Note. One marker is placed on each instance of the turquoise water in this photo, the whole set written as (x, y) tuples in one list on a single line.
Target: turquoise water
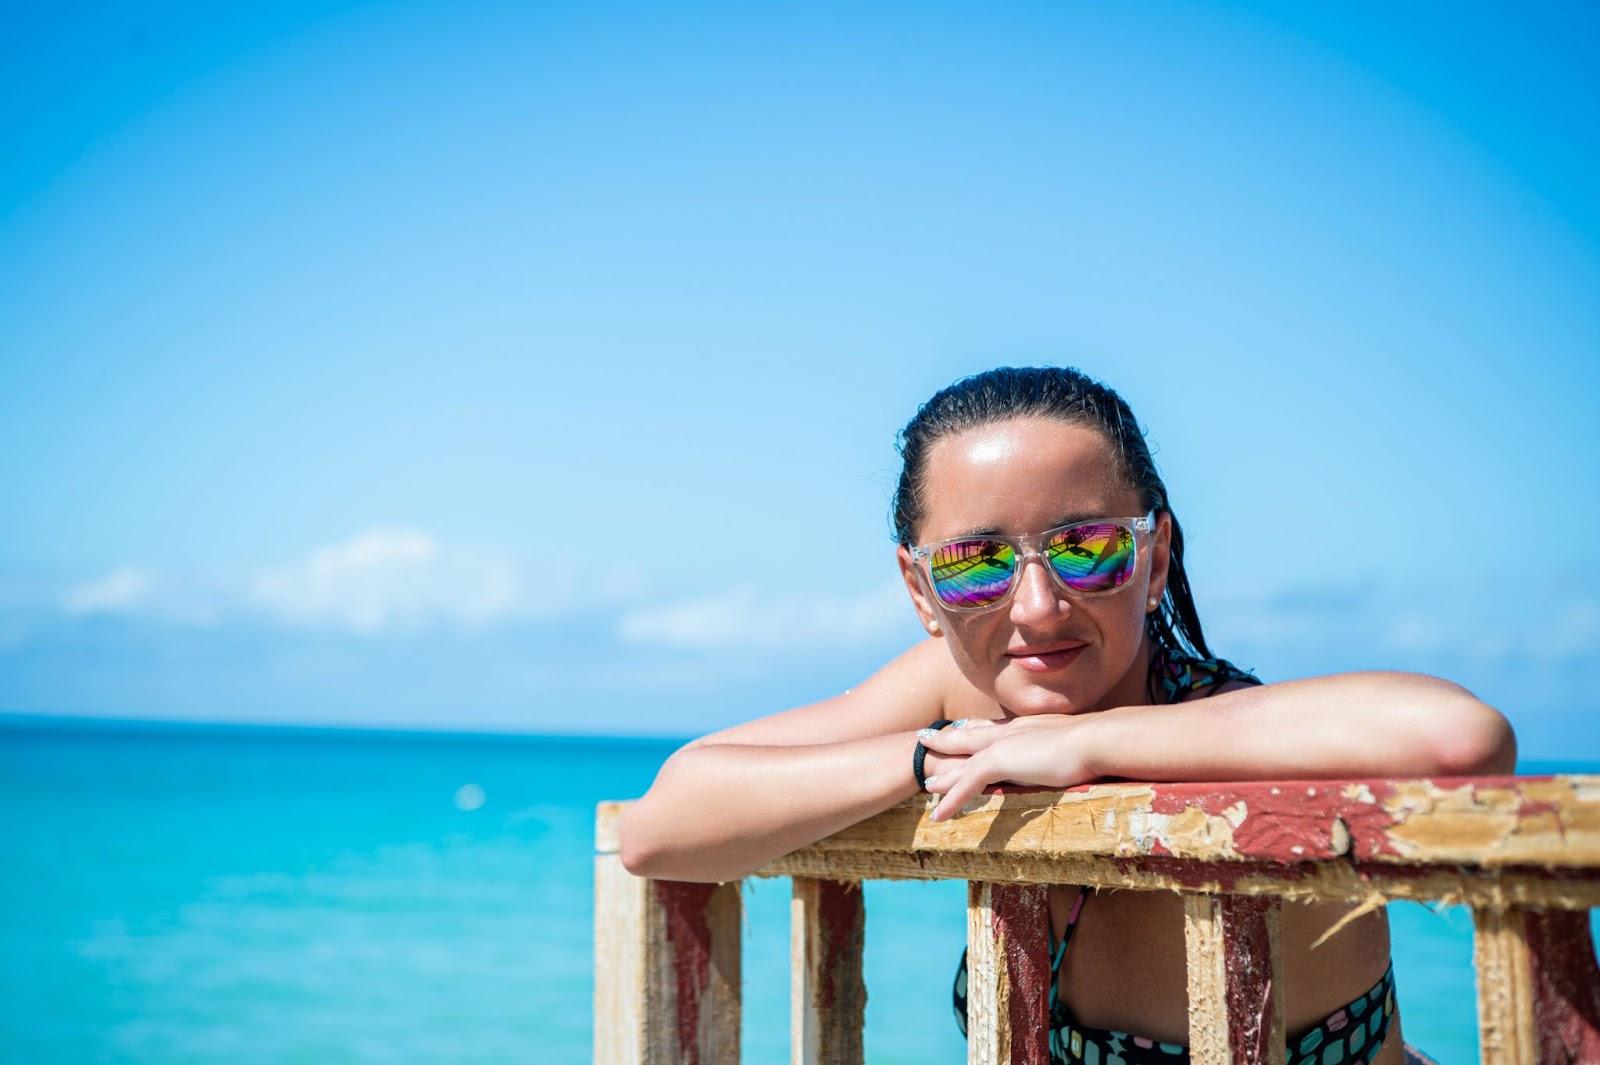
[(244, 895)]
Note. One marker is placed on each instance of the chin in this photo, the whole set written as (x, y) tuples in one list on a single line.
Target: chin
[(1027, 700)]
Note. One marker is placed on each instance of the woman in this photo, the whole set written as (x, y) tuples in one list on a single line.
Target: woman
[(1042, 555)]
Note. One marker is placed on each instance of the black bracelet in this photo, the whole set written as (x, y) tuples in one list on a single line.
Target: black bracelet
[(921, 754)]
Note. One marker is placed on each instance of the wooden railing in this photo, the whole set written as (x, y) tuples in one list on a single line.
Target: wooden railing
[(1523, 852)]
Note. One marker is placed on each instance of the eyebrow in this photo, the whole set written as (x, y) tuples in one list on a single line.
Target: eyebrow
[(1067, 519)]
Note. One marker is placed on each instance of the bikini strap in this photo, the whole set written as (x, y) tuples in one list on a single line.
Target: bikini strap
[(1058, 952)]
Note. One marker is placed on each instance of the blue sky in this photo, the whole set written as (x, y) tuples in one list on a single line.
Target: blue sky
[(503, 366)]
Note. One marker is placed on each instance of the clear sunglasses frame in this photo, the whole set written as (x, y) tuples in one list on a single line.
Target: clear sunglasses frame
[(1031, 546)]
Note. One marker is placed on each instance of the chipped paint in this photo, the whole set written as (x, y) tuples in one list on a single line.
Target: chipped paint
[(1359, 791), (1339, 836), (1566, 985), (1247, 948), (842, 918), (1236, 813), (1020, 916), (688, 935)]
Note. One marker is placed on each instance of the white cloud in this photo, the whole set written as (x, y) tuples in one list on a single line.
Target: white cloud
[(746, 617), (119, 592), (388, 579)]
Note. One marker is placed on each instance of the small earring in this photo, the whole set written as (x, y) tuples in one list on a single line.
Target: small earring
[(933, 627), (1152, 601)]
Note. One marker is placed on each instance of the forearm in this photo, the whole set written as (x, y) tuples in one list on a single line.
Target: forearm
[(1350, 725), (719, 812)]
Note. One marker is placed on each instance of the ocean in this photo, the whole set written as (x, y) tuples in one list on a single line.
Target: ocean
[(243, 894)]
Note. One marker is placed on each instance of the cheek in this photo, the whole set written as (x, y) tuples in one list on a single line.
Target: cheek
[(973, 644), (1124, 624)]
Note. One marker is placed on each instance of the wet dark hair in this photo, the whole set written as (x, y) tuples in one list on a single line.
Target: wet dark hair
[(1067, 395)]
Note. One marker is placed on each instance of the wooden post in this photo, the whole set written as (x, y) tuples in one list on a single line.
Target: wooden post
[(828, 996), (1235, 980), (619, 905), (1566, 985), (1008, 974), (666, 981), (1505, 986)]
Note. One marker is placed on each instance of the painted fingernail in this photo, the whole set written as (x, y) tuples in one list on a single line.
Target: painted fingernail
[(959, 724), (930, 782), (926, 733)]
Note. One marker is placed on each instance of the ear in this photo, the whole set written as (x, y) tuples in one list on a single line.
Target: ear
[(1160, 556), (921, 598)]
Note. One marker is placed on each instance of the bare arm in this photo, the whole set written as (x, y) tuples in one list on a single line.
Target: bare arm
[(719, 812), (1347, 725), (1377, 724), (726, 804)]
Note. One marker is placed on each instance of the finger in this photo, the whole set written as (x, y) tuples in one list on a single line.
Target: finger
[(958, 792), (936, 764), (946, 776), (954, 740)]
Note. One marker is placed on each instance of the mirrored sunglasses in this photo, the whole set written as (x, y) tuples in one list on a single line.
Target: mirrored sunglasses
[(1086, 558)]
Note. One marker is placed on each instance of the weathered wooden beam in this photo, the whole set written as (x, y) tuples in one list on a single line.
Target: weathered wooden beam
[(1487, 822), (1505, 986), (1339, 880), (1479, 822), (1566, 986), (1008, 974), (1235, 980), (666, 970), (828, 996)]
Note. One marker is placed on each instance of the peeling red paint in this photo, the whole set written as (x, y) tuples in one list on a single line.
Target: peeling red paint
[(1566, 985), (1294, 820), (843, 919), (689, 942), (1288, 820), (1021, 914), (1246, 950)]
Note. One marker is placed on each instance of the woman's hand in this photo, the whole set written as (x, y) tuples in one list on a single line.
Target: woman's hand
[(977, 754)]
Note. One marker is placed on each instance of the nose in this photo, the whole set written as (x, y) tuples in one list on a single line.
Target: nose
[(1036, 599)]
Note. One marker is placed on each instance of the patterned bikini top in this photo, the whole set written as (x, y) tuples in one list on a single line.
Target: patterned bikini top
[(1175, 676)]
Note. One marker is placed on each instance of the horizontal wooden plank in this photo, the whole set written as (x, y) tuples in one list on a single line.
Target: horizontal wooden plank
[(1334, 880), (1477, 822)]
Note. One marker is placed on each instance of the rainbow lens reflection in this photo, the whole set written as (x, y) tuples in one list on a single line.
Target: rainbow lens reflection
[(1092, 558), (972, 573)]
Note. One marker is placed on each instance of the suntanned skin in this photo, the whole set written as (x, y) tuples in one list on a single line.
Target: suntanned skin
[(728, 803)]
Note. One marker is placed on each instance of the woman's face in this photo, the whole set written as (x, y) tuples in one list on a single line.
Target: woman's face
[(1024, 476)]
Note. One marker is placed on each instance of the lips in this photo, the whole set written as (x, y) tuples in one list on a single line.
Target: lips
[(1046, 658)]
